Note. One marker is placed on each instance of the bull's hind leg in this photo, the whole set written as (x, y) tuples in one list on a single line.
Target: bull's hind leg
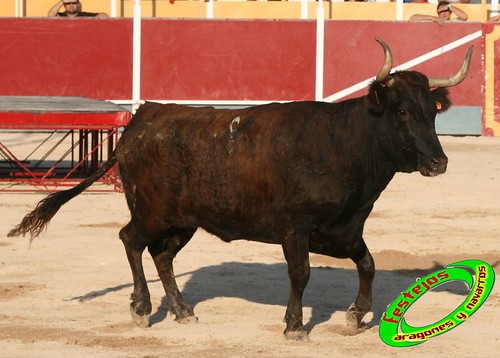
[(362, 304), (140, 307), (163, 252)]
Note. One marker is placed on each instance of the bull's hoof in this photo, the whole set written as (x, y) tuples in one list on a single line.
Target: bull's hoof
[(298, 336), (141, 321), (353, 317), (187, 320)]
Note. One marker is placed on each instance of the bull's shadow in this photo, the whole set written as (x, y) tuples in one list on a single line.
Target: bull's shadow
[(329, 289)]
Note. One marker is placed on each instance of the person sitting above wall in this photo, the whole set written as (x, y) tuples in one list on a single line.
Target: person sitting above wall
[(73, 8), (444, 12), (494, 19), (435, 2)]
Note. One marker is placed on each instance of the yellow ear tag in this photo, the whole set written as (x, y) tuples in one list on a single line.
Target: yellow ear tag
[(438, 105)]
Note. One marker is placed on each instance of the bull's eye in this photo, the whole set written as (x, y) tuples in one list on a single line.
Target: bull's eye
[(402, 113)]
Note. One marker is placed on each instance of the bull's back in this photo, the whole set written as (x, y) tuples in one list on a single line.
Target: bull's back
[(219, 141)]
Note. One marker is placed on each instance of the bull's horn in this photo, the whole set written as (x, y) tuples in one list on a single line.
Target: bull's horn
[(459, 76), (386, 69)]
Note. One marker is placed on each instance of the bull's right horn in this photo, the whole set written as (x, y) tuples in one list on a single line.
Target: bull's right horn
[(386, 69), (457, 78)]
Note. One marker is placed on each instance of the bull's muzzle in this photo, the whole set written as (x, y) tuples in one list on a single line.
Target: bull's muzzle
[(433, 167)]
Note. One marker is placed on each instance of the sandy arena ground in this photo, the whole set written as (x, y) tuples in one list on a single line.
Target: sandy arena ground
[(67, 294)]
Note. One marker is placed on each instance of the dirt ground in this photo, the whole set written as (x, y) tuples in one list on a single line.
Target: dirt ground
[(67, 294)]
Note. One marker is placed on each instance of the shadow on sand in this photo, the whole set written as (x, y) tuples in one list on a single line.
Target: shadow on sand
[(329, 289)]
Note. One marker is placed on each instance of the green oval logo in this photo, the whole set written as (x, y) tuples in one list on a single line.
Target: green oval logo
[(479, 277)]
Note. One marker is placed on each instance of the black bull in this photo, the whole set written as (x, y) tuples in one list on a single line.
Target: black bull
[(304, 175)]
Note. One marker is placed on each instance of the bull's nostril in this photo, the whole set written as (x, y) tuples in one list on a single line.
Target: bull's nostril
[(440, 164), (437, 165)]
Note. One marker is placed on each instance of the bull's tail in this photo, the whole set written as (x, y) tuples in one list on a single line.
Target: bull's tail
[(36, 221)]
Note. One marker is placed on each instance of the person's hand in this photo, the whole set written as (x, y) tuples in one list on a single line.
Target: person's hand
[(438, 20)]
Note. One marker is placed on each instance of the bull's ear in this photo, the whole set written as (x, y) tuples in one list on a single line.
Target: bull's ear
[(376, 100), (441, 97)]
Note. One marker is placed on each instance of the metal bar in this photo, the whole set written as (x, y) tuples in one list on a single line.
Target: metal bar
[(51, 150), (19, 163), (320, 51), (136, 57), (110, 135)]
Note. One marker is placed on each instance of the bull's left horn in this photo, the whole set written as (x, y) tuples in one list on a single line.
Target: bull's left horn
[(386, 69), (457, 78)]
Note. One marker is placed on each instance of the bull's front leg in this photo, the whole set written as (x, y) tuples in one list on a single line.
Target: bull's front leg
[(296, 250), (362, 304)]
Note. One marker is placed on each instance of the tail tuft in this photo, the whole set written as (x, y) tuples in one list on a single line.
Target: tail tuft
[(35, 222)]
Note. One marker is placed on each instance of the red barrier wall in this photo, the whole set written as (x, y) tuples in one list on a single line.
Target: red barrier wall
[(60, 57), (228, 60), (491, 104), (215, 60)]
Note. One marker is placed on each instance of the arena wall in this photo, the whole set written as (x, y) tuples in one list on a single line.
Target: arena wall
[(247, 61)]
